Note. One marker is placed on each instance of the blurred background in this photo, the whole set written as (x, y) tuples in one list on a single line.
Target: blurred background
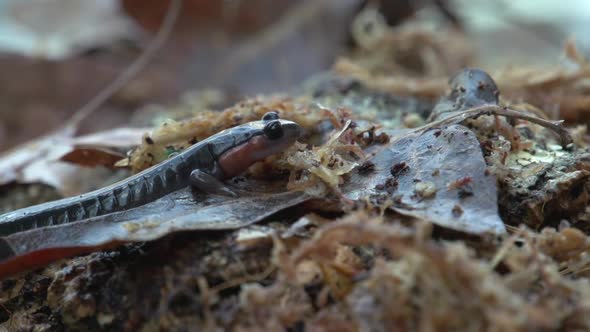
[(55, 55)]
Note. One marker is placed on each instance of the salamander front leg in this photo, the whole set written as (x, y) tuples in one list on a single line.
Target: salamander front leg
[(209, 184)]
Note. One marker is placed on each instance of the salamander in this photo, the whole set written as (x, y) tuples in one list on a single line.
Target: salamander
[(203, 165)]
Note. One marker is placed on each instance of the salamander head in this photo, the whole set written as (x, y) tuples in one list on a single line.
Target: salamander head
[(271, 136), (277, 130)]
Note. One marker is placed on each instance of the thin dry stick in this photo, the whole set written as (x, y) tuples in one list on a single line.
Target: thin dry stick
[(556, 126), (131, 71)]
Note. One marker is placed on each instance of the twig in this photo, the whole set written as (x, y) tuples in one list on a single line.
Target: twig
[(159, 39), (556, 126)]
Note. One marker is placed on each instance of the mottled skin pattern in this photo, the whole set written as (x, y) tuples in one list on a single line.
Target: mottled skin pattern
[(198, 165)]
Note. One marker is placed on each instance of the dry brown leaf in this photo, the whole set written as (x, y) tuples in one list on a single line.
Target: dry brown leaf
[(92, 157), (39, 160)]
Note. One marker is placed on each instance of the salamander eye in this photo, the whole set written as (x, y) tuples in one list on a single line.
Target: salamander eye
[(273, 130), (270, 116)]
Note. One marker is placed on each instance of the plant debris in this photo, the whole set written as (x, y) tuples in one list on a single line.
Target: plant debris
[(425, 194)]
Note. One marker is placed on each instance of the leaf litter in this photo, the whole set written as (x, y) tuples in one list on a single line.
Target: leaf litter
[(382, 265), (45, 150)]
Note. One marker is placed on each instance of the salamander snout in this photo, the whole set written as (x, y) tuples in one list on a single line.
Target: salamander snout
[(276, 129), (285, 130)]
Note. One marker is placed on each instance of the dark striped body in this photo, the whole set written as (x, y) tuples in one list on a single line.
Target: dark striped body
[(139, 189), (25, 242)]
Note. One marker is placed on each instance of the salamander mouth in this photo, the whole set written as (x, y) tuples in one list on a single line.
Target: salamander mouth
[(266, 147)]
